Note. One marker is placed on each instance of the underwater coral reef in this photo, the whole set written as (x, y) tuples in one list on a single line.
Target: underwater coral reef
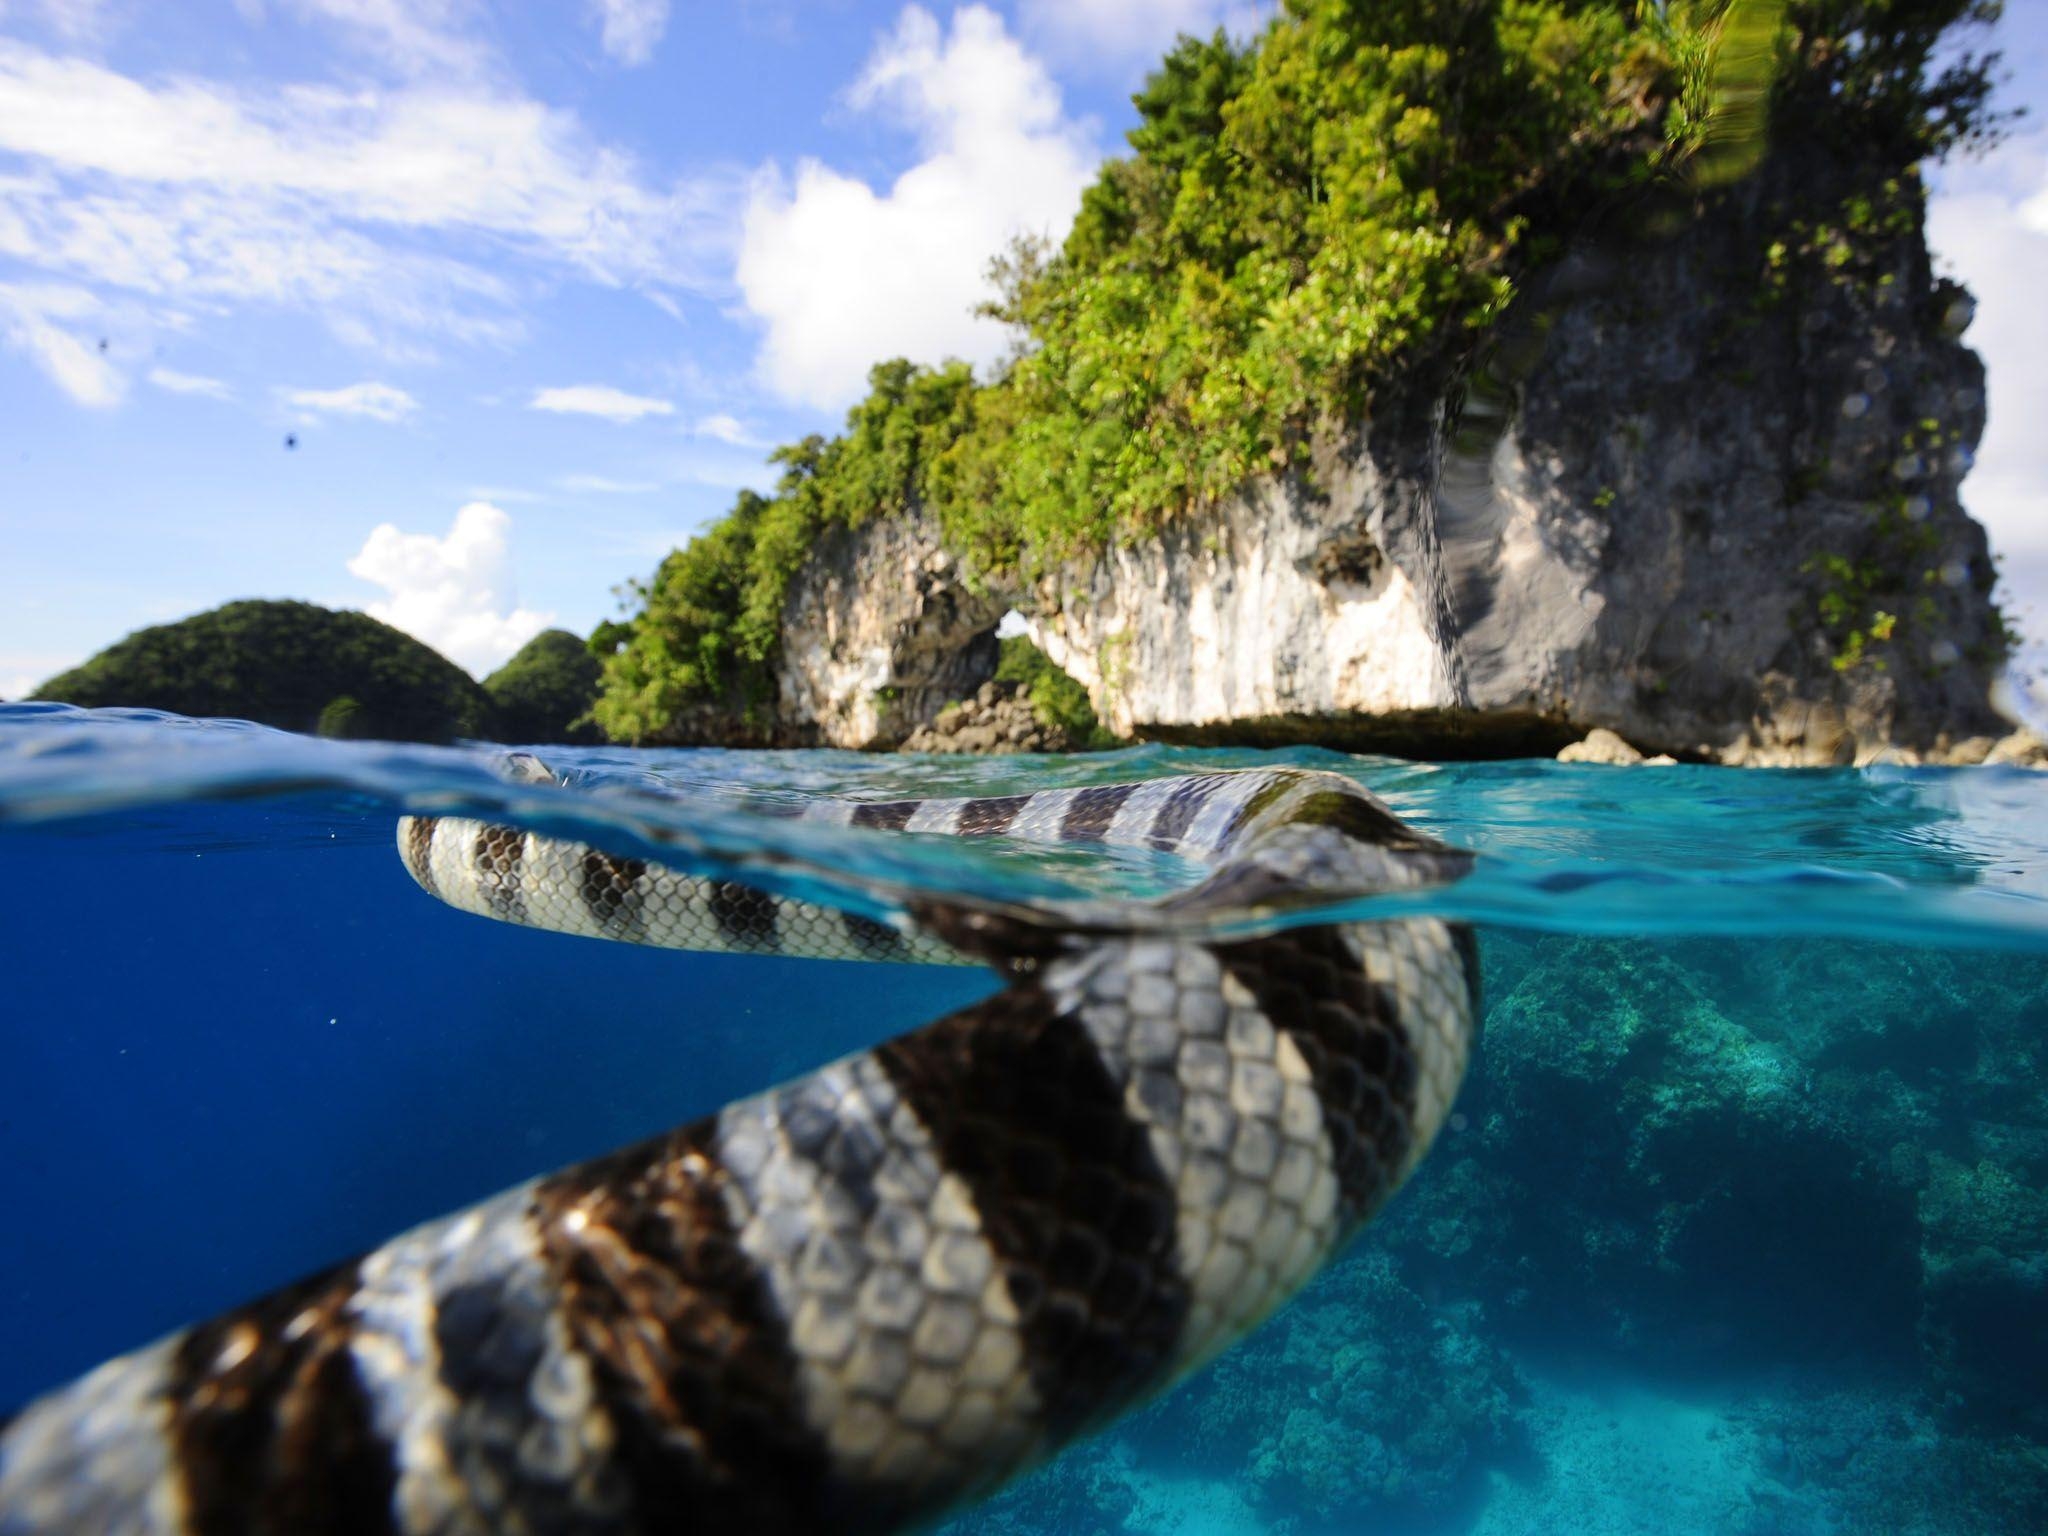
[(1734, 1236)]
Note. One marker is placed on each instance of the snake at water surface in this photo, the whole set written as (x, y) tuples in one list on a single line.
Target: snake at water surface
[(875, 1293)]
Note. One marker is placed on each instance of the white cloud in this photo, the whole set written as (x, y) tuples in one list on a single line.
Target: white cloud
[(378, 402), (193, 245), (1988, 222), (413, 36), (42, 321), (604, 485), (189, 384), (599, 400), (727, 429), (1117, 36), (412, 158), (456, 592), (842, 276), (399, 215), (630, 28), (73, 20)]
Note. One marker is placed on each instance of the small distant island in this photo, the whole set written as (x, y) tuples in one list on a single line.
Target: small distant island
[(301, 667), (546, 691)]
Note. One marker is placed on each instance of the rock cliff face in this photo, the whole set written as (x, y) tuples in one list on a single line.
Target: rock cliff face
[(881, 630), (1703, 493)]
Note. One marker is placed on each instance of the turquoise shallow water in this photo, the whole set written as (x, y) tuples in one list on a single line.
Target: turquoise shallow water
[(1742, 1223)]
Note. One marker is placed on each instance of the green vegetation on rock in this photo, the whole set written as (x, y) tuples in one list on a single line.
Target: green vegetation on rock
[(341, 720), (293, 665), (1056, 698), (1307, 229), (710, 621), (545, 692)]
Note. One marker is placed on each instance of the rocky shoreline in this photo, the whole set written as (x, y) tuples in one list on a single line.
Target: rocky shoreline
[(998, 719), (2020, 749)]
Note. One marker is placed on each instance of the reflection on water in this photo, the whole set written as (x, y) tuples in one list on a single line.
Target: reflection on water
[(1957, 856)]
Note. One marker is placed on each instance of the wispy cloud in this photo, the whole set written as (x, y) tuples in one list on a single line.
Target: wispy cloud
[(410, 36), (454, 592), (378, 402), (599, 400), (727, 429), (44, 322), (75, 21), (630, 29), (177, 383), (409, 158), (604, 485), (400, 215)]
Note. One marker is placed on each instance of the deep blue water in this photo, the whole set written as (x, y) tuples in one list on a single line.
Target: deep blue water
[(1742, 1225)]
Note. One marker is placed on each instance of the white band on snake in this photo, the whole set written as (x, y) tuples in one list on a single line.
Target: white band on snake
[(857, 1300)]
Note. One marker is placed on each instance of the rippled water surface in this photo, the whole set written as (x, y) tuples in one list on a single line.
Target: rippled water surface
[(1742, 1223)]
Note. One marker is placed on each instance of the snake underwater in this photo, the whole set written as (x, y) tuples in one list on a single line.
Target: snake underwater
[(875, 1293)]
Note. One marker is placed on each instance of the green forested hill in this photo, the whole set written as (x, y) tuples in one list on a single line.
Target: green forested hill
[(544, 692), (288, 664), (1345, 204)]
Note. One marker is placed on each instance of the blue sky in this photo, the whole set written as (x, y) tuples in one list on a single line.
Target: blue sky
[(534, 286)]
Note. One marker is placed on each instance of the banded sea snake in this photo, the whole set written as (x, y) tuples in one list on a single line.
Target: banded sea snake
[(855, 1301)]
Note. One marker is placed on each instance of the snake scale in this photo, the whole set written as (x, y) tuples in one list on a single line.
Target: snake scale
[(871, 1294)]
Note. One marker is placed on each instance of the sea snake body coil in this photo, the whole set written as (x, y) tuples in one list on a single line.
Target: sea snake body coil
[(856, 1300)]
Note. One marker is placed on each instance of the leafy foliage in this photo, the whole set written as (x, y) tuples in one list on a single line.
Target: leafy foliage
[(1304, 226), (341, 720), (1889, 76), (545, 692), (1299, 226), (287, 664), (711, 619), (1056, 698)]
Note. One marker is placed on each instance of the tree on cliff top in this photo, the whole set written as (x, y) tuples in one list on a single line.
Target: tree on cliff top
[(710, 621), (544, 693), (289, 664), (1304, 227)]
